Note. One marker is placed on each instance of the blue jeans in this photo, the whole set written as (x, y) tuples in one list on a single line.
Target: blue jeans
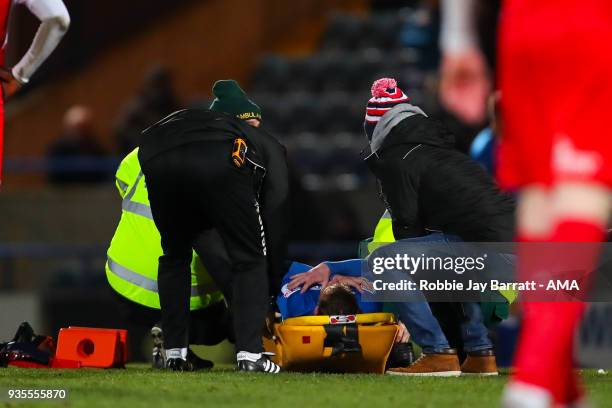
[(423, 326)]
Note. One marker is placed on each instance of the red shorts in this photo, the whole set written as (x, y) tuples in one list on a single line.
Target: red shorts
[(555, 73)]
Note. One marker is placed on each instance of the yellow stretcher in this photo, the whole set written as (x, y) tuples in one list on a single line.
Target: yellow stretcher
[(349, 344)]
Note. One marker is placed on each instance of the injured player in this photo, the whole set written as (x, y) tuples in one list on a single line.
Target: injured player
[(336, 293), (421, 323)]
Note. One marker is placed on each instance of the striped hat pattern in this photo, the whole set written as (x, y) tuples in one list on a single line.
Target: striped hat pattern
[(385, 96)]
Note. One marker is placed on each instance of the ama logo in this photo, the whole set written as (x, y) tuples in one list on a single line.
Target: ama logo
[(563, 285)]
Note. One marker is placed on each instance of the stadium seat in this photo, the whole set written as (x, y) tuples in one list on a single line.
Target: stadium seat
[(380, 30), (348, 344), (337, 72), (304, 110), (306, 73), (272, 74), (343, 32)]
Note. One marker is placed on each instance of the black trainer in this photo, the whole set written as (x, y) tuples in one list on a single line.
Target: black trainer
[(178, 364), (197, 362), (194, 362), (256, 362)]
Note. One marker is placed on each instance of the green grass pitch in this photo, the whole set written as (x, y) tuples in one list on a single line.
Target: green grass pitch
[(139, 386)]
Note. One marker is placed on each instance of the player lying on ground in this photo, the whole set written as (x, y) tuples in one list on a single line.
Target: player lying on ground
[(339, 295), (211, 324), (417, 316)]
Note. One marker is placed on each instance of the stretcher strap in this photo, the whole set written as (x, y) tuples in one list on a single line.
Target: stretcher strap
[(342, 338), (364, 318)]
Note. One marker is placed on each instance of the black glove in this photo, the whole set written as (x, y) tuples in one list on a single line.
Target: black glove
[(402, 355)]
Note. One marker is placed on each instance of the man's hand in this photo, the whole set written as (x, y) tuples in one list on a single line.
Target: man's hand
[(402, 335), (465, 85), (9, 84), (358, 283), (317, 275)]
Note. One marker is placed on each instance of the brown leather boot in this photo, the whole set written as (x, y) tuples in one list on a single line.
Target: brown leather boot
[(480, 363), (441, 364)]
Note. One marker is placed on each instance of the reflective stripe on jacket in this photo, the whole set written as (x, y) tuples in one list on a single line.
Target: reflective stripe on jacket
[(132, 258)]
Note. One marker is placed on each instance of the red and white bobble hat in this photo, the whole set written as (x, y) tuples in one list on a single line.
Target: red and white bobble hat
[(385, 96)]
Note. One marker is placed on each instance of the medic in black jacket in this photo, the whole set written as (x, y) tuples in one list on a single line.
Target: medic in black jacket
[(427, 184), (215, 168)]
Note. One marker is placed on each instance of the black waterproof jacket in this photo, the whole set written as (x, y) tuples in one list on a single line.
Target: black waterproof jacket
[(427, 185)]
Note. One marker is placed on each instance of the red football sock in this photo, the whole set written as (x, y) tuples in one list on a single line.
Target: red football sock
[(574, 230), (528, 361), (545, 352), (545, 356)]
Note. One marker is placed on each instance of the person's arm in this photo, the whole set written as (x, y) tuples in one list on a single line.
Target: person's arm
[(350, 267), (274, 200), (54, 22), (404, 202), (346, 272), (457, 33), (464, 77), (293, 301)]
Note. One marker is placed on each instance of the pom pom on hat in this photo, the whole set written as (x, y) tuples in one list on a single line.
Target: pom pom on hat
[(383, 87)]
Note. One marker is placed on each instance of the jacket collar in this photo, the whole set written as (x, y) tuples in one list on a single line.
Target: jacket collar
[(388, 122)]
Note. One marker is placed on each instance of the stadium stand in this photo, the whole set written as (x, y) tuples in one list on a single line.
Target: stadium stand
[(315, 104)]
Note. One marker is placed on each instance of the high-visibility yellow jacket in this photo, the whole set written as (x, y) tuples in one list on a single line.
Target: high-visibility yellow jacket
[(132, 258), (383, 234)]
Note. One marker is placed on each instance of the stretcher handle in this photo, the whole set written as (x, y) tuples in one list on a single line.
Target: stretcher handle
[(363, 318)]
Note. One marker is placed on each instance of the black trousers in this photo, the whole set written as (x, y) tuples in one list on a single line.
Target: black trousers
[(193, 188), (207, 327)]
